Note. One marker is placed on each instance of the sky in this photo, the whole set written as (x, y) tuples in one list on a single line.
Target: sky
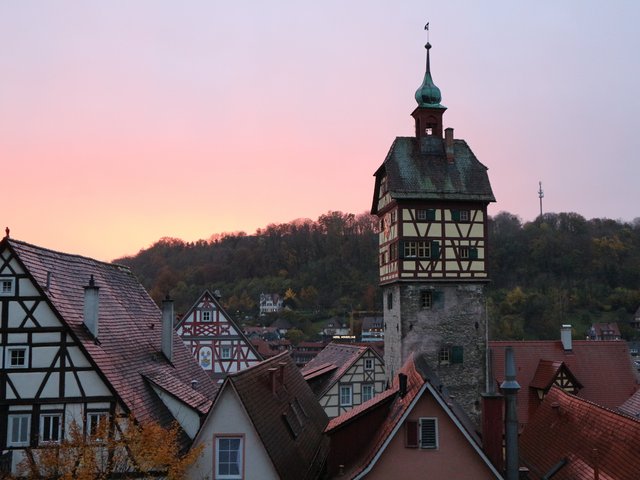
[(123, 122)]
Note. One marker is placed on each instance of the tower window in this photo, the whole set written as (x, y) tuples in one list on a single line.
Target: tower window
[(393, 252), (428, 131), (389, 301), (444, 356), (426, 299)]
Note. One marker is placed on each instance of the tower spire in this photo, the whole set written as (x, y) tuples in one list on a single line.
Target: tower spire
[(428, 94)]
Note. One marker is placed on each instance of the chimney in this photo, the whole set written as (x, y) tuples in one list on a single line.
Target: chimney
[(402, 384), (492, 420), (448, 144), (167, 328), (565, 336), (510, 388), (91, 307)]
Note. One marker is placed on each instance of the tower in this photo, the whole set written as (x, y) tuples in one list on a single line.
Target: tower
[(431, 195)]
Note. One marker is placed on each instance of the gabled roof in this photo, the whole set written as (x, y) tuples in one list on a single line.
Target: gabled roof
[(285, 414), (420, 380), (548, 371), (631, 406), (417, 169), (602, 368), (340, 356), (130, 329), (579, 437), (372, 322)]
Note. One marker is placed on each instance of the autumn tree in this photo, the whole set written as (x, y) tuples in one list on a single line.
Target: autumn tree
[(128, 450)]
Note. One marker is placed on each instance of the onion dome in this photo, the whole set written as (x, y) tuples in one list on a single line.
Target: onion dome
[(428, 95)]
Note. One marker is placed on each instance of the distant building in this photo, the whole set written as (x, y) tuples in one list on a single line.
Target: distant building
[(343, 376), (335, 326), (372, 329), (270, 303), (215, 340), (304, 352), (604, 331)]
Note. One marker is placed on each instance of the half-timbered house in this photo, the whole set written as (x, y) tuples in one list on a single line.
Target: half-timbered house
[(344, 376), (214, 338), (81, 341)]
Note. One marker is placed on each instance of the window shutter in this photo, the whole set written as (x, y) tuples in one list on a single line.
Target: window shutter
[(411, 434), (473, 253), (435, 249), (438, 299), (431, 214), (455, 215), (428, 433), (457, 354)]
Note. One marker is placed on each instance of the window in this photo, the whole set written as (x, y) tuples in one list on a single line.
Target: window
[(450, 355), (6, 286), (464, 215), (229, 457), (383, 258), (424, 249), (394, 217), (368, 363), (426, 299), (426, 215), (50, 427), (368, 391), (206, 315), (389, 301), (428, 432), (393, 252), (18, 430), (464, 252), (410, 249), (460, 215), (17, 357), (97, 425), (225, 352), (346, 395), (444, 356)]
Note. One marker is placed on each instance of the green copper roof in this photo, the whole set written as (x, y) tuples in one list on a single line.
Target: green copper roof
[(428, 95), (418, 169)]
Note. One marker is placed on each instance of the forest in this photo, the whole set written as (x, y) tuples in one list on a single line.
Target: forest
[(557, 269)]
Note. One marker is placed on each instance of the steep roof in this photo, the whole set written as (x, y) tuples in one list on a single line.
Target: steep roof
[(285, 414), (603, 369), (128, 350), (631, 406), (417, 169), (333, 361), (580, 438), (420, 379)]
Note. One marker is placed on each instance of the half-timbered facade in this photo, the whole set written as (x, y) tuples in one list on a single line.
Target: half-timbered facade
[(81, 341), (214, 339), (344, 376), (431, 196)]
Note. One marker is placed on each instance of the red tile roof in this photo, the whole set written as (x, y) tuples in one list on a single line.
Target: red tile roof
[(340, 355), (585, 436), (420, 378), (603, 369), (130, 330), (631, 406), (295, 457)]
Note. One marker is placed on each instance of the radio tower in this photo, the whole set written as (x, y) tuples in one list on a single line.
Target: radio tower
[(540, 195)]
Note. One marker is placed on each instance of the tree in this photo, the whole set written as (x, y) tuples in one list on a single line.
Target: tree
[(126, 450)]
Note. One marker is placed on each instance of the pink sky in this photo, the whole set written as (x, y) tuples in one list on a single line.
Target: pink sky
[(123, 122)]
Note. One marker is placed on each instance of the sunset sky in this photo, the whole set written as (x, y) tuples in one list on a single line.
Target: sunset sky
[(122, 122)]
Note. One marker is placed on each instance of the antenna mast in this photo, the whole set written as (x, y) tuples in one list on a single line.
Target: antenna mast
[(540, 195)]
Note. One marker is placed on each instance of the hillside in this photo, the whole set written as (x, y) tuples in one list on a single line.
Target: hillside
[(558, 269)]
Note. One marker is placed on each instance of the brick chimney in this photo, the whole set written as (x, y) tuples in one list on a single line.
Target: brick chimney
[(448, 144), (91, 304)]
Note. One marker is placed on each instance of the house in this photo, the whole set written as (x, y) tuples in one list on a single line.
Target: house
[(282, 326), (335, 327), (372, 329), (306, 351), (343, 376), (570, 438), (270, 303), (600, 372), (81, 341), (269, 334), (604, 331), (265, 423), (412, 430), (214, 339)]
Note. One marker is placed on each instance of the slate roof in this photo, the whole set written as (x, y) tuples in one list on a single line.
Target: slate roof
[(417, 169), (603, 369), (294, 457), (582, 437), (129, 336), (342, 356), (420, 378)]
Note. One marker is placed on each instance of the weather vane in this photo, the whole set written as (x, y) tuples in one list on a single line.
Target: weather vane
[(426, 27)]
